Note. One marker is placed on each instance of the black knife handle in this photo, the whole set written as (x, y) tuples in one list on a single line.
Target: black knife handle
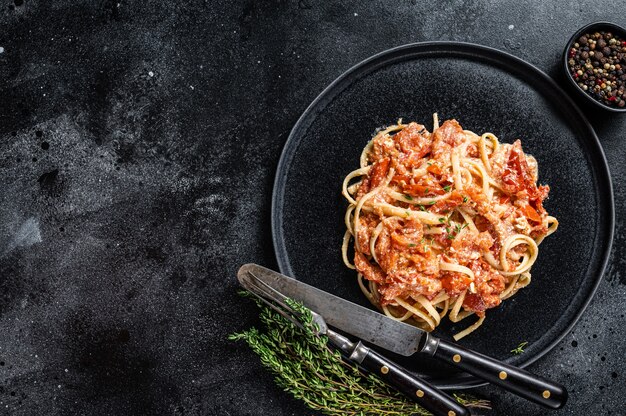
[(529, 386), (425, 394)]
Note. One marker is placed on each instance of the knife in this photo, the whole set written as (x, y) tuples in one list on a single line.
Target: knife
[(404, 339), (418, 390)]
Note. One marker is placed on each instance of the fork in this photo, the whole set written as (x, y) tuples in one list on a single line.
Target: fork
[(422, 392)]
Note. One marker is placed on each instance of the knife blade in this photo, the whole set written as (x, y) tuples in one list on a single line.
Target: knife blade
[(391, 335), (404, 339)]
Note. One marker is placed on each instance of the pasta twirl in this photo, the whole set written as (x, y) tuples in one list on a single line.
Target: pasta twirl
[(443, 223)]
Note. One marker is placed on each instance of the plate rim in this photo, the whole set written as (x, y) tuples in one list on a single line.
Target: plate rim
[(459, 48)]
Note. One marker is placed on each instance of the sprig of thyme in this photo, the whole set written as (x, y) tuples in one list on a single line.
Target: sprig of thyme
[(305, 366), (520, 348)]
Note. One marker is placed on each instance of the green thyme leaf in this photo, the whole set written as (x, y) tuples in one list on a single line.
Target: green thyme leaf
[(520, 348)]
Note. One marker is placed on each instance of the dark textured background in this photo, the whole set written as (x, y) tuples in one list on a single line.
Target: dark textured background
[(138, 143)]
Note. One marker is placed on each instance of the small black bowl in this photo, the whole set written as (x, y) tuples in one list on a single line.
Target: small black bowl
[(592, 28)]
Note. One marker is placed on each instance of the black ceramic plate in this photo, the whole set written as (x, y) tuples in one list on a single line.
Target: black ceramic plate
[(486, 91)]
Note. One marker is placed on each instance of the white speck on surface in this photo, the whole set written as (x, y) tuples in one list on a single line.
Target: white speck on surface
[(511, 27), (151, 73), (1, 49), (258, 62), (191, 86), (66, 370), (356, 14)]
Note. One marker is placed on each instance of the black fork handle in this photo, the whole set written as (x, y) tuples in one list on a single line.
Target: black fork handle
[(422, 392)]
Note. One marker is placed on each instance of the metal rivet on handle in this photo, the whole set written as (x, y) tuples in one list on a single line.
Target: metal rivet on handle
[(456, 358), (503, 375), (419, 393), (451, 413), (546, 394), (384, 369)]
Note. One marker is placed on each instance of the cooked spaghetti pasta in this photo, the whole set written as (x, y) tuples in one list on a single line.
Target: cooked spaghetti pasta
[(443, 223)]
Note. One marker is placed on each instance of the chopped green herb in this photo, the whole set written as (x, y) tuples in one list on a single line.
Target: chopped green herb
[(429, 163), (448, 230), (447, 188), (422, 208), (408, 213), (520, 348), (426, 190), (464, 199), (451, 236), (409, 197), (411, 245), (442, 220), (432, 202)]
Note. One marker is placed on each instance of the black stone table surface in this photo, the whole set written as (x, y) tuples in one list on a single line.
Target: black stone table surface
[(138, 145)]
